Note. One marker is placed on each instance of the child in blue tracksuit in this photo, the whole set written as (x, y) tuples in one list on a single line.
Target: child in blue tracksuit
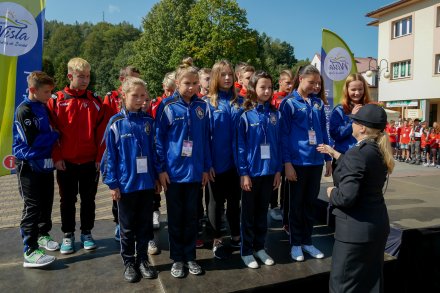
[(184, 158), (259, 158), (129, 170), (33, 142), (303, 128), (226, 183)]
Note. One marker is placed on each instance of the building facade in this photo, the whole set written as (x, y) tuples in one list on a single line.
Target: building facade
[(409, 49)]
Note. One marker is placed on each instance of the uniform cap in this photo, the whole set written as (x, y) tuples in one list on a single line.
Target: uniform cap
[(372, 116)]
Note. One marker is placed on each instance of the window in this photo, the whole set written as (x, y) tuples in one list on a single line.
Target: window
[(401, 69), (438, 16), (437, 64), (402, 27)]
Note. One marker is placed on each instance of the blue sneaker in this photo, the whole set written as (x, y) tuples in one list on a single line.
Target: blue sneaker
[(296, 253), (88, 242), (117, 233), (313, 251), (67, 246)]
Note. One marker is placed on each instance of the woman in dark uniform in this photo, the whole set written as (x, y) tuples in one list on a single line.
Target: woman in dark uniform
[(362, 224)]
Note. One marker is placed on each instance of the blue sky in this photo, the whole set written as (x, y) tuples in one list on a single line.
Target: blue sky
[(297, 22)]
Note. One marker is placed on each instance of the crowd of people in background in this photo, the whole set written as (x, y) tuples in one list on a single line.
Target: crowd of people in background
[(219, 141)]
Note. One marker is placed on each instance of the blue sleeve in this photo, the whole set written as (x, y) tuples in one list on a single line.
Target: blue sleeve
[(286, 128), (109, 162), (243, 166), (280, 149), (207, 164), (338, 129), (30, 132), (162, 127), (154, 156), (324, 130)]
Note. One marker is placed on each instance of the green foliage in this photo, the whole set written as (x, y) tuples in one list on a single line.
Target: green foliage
[(206, 30)]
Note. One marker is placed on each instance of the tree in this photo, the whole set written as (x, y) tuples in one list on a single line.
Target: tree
[(163, 29), (218, 29)]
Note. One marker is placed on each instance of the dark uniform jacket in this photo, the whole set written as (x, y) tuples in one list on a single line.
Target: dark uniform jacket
[(361, 214)]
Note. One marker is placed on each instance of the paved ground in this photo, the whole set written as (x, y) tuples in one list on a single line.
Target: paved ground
[(413, 199)]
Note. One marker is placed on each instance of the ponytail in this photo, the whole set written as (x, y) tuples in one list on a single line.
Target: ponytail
[(383, 141)]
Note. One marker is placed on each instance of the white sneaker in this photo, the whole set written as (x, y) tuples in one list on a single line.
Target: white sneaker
[(156, 223), (152, 248), (432, 165), (250, 261), (425, 164), (296, 253), (313, 251), (264, 257), (275, 215)]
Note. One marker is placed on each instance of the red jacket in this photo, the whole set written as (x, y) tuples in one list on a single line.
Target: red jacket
[(79, 117), (112, 103), (404, 134), (154, 105), (242, 92), (392, 133), (277, 98)]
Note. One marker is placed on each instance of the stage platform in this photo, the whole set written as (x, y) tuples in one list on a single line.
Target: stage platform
[(413, 199)]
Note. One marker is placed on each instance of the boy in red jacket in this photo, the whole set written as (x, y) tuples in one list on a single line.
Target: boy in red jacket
[(286, 82), (78, 115)]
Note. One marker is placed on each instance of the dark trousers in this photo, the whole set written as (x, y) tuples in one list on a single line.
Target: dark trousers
[(182, 220), (37, 191), (82, 178), (303, 194), (225, 188), (254, 206), (357, 267), (156, 206), (156, 201), (136, 224)]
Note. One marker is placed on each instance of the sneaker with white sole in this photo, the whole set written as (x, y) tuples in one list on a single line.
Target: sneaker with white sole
[(48, 243), (37, 259), (432, 165), (313, 251), (156, 222), (68, 244), (194, 268), (275, 215), (177, 270), (250, 261), (264, 257), (88, 242), (152, 248), (296, 253)]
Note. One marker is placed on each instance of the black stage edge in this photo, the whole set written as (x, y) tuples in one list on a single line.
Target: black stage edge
[(231, 275)]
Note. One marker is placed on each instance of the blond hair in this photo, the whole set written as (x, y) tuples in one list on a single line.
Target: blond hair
[(286, 73), (382, 140), (130, 82), (169, 80), (186, 68), (77, 65), (215, 81)]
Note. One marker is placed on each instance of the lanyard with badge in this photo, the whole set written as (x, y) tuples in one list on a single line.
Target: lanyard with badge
[(187, 146), (311, 132), (141, 161), (264, 147)]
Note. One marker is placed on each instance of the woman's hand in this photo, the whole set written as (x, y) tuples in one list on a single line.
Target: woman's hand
[(116, 194), (205, 178), (276, 180), (326, 149), (356, 108), (164, 180), (290, 172), (329, 190), (246, 183)]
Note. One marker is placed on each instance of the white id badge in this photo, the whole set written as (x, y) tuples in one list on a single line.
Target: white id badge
[(141, 165), (187, 148), (265, 151), (312, 137)]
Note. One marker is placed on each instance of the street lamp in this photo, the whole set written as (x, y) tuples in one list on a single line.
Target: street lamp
[(379, 69)]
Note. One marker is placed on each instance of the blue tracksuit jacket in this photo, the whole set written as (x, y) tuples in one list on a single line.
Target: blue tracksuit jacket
[(298, 118), (34, 137), (256, 127), (129, 135), (341, 130), (177, 122)]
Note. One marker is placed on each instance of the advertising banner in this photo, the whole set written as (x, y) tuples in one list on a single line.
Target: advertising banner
[(21, 48)]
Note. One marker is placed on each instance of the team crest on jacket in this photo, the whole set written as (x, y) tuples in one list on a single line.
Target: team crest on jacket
[(317, 106), (147, 128), (85, 104), (200, 113), (273, 119)]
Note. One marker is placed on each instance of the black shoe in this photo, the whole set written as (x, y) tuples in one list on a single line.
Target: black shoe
[(220, 251), (235, 243), (131, 274), (194, 268), (147, 271)]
